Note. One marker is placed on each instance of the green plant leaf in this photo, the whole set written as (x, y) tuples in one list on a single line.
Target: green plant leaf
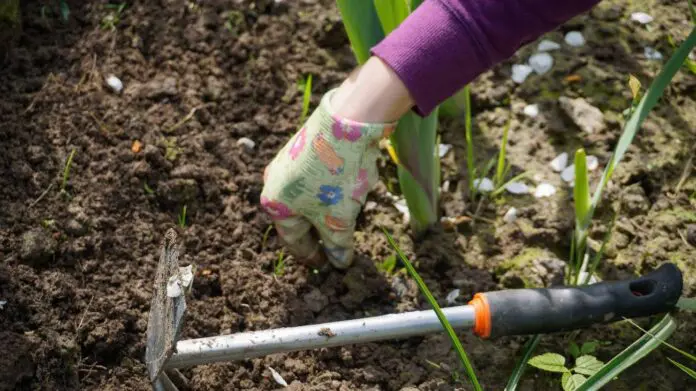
[(441, 317), (64, 10), (362, 26), (500, 169), (306, 97), (388, 264), (587, 365), (551, 362), (572, 382), (589, 347), (391, 13), (517, 373), (687, 304), (574, 349), (581, 191), (684, 368), (631, 355), (692, 9)]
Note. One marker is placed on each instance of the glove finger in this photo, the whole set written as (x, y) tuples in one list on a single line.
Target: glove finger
[(337, 241), (297, 236)]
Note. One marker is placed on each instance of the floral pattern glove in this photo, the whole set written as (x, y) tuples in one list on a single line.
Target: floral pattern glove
[(320, 180)]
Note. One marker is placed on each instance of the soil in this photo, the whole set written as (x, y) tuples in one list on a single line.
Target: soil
[(79, 255)]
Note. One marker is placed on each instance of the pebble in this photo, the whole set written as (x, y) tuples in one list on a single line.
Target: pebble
[(401, 206), (559, 162), (517, 188), (691, 234), (75, 228), (511, 215), (641, 17), (544, 190), (547, 45), (587, 117), (568, 175), (484, 185), (247, 143), (651, 53), (114, 83), (531, 110), (592, 162), (520, 72), (442, 149), (541, 62), (452, 296), (574, 38)]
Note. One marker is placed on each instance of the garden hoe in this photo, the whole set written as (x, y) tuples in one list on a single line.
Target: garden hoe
[(490, 314)]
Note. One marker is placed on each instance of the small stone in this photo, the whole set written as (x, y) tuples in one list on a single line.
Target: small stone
[(278, 379), (544, 190), (38, 247), (547, 45), (370, 205), (247, 143), (641, 17), (531, 110), (452, 296), (691, 234), (75, 228), (517, 188), (511, 215), (559, 162), (520, 72), (541, 62), (592, 162), (443, 149), (114, 83), (483, 185), (401, 206), (574, 38), (587, 117), (568, 175), (651, 53)]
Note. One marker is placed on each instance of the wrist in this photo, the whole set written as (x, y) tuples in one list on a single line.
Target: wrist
[(372, 93)]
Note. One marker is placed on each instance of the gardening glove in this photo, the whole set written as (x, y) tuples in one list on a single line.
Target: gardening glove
[(320, 180)]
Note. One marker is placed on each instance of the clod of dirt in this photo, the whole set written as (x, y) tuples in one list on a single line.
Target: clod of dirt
[(363, 281), (691, 234), (160, 87), (177, 192), (16, 365), (213, 89), (634, 201), (315, 300), (75, 228), (38, 247), (533, 268), (587, 117)]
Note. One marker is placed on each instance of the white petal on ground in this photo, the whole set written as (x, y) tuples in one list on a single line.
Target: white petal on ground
[(592, 162), (246, 143), (559, 162), (3, 303), (517, 188), (445, 187), (520, 72), (452, 296), (541, 62), (547, 45), (652, 54), (442, 149), (278, 379), (114, 83), (641, 17), (544, 190), (574, 38), (178, 283), (401, 206), (369, 205), (483, 185), (531, 110), (510, 215), (568, 175)]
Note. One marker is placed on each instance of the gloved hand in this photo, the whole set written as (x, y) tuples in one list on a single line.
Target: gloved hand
[(320, 180)]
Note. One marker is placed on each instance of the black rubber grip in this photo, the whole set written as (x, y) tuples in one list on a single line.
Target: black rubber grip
[(540, 311)]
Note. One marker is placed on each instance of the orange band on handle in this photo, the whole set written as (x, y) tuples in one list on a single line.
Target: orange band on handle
[(482, 315)]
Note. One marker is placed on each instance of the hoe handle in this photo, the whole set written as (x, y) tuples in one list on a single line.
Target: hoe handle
[(549, 310)]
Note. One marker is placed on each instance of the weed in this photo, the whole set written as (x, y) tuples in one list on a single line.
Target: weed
[(572, 378), (66, 171), (279, 264), (234, 22), (388, 265), (171, 149), (148, 189), (112, 19), (265, 236), (181, 219), (306, 87)]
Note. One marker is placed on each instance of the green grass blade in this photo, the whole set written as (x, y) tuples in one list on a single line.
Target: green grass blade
[(306, 97), (500, 169), (684, 368), (516, 178), (647, 103), (66, 170), (362, 26), (692, 9), (634, 353), (581, 192), (469, 140), (598, 256), (521, 365), (391, 13), (669, 345), (443, 320)]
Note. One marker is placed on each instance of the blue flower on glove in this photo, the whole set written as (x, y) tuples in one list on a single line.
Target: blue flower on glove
[(330, 195)]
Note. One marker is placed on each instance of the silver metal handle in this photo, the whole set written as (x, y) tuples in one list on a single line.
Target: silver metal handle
[(261, 343)]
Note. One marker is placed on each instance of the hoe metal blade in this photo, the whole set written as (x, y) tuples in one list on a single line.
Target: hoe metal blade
[(166, 311)]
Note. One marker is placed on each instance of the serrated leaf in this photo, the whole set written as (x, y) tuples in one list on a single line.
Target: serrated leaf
[(572, 382), (551, 362), (589, 347), (687, 303), (574, 349), (587, 365), (634, 85)]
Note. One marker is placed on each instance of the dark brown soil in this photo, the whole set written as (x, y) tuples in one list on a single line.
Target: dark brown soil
[(78, 264)]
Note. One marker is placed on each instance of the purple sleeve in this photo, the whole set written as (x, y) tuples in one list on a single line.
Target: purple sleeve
[(445, 44)]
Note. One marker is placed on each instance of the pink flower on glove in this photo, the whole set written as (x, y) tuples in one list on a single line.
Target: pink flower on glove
[(343, 130), (299, 144), (277, 210), (361, 185)]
